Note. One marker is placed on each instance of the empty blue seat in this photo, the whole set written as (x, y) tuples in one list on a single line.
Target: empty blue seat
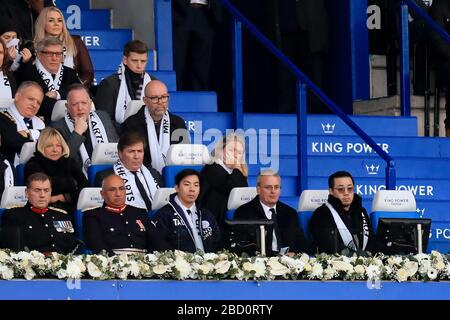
[(238, 197), (26, 153), (103, 157), (309, 201), (89, 198)]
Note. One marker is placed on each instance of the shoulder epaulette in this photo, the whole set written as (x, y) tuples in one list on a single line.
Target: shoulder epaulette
[(9, 116), (91, 208), (58, 209), (14, 206)]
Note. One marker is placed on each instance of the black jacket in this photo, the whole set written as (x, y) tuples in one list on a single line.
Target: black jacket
[(289, 229), (105, 230), (325, 233), (180, 11), (65, 176), (138, 124), (216, 187), (176, 231), (28, 72), (49, 232)]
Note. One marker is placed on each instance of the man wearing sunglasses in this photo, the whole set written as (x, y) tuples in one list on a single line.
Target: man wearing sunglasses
[(341, 225)]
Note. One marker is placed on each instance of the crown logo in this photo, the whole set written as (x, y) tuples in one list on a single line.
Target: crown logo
[(421, 212), (372, 169), (328, 128)]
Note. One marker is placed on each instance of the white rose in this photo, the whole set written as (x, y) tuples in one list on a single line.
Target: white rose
[(437, 255), (151, 257), (183, 267), (329, 272), (342, 266), (359, 269), (402, 275), (73, 269), (260, 268), (432, 274), (134, 268), (24, 264), (247, 266), (206, 268), (411, 268), (29, 274), (307, 267), (179, 254), (222, 267), (3, 256), (223, 256), (93, 270), (372, 271), (440, 265), (316, 271), (159, 269), (7, 273), (276, 268), (421, 256), (304, 258), (210, 256), (425, 265)]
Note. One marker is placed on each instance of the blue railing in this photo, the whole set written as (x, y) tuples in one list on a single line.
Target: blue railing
[(405, 91), (303, 83)]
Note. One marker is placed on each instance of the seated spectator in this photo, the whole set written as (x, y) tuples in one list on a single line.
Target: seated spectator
[(17, 50), (227, 171), (115, 91), (119, 228), (183, 225), (285, 236), (49, 72), (50, 22), (25, 11), (159, 127), (7, 82), (52, 158), (83, 128), (7, 173), (141, 182), (36, 226), (19, 123), (341, 225)]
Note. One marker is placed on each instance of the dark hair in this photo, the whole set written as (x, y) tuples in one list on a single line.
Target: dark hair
[(187, 172), (134, 46), (338, 174), (128, 139), (38, 176)]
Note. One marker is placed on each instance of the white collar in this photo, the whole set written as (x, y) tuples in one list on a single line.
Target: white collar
[(267, 211), (220, 162)]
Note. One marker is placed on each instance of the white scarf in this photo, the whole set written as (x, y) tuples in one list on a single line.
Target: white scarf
[(8, 175), (68, 59), (123, 97), (345, 234), (134, 197), (5, 87), (97, 132), (38, 125), (52, 84), (158, 149)]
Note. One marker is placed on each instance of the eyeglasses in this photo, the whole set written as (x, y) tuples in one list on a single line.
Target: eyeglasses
[(50, 54), (156, 99), (343, 189)]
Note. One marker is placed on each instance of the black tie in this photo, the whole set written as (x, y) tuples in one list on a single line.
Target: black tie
[(142, 191), (275, 227), (28, 122)]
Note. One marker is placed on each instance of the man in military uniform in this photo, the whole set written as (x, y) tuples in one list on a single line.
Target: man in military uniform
[(19, 123), (119, 228), (36, 226)]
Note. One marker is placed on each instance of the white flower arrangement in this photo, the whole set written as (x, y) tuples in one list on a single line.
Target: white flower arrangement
[(224, 265)]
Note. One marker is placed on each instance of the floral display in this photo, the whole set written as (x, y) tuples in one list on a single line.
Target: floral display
[(178, 265)]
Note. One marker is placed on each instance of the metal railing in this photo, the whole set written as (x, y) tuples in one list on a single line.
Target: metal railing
[(303, 83)]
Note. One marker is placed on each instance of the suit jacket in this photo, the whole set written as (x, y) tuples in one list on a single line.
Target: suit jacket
[(28, 72), (74, 140), (324, 230), (289, 229), (138, 124), (180, 10)]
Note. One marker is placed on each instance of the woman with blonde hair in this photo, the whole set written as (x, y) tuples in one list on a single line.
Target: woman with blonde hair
[(50, 22), (226, 171), (52, 158)]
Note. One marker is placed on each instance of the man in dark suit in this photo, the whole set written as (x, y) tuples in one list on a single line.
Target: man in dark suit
[(159, 127), (36, 226), (194, 24), (285, 235), (83, 128), (49, 72)]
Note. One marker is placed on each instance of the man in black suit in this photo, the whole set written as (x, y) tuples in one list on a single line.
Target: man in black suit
[(285, 235), (159, 127), (49, 72), (194, 24)]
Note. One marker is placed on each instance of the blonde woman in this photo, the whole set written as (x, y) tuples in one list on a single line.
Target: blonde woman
[(52, 158), (50, 22), (227, 171)]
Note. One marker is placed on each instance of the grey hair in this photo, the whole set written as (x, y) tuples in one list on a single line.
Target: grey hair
[(48, 41), (266, 172)]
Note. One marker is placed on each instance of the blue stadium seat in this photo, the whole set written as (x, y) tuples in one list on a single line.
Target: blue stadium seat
[(309, 201), (160, 199), (103, 157), (183, 156), (26, 153), (11, 197), (89, 198), (238, 197)]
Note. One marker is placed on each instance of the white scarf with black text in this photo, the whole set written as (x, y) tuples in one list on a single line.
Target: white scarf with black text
[(97, 133), (123, 98), (8, 175), (5, 87), (158, 149), (52, 84)]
